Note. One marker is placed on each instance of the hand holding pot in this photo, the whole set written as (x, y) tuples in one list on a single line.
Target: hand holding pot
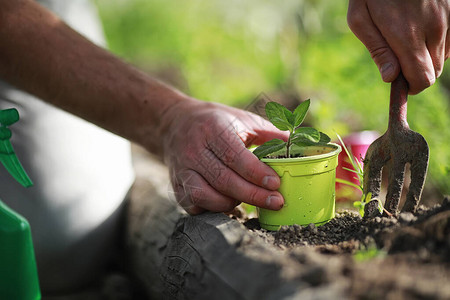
[(210, 167), (407, 35)]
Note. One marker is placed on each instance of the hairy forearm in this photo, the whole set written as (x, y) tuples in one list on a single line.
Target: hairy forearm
[(203, 144), (45, 57)]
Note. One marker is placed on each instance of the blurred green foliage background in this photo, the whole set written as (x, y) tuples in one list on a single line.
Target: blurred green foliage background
[(231, 51)]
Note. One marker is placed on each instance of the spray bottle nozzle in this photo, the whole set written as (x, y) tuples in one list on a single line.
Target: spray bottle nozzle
[(7, 155), (9, 116)]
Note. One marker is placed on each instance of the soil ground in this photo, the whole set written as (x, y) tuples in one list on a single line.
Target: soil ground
[(381, 258), (407, 257)]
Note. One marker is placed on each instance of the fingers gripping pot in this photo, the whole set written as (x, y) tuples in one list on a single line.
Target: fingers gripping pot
[(307, 185), (18, 272)]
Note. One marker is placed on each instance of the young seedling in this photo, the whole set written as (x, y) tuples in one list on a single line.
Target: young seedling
[(359, 171), (286, 120)]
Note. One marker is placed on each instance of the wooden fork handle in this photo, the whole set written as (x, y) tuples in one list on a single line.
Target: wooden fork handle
[(398, 103)]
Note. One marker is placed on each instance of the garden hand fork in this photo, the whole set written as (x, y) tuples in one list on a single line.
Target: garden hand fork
[(398, 146)]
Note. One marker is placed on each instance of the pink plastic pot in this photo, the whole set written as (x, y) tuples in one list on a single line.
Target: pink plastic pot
[(357, 143)]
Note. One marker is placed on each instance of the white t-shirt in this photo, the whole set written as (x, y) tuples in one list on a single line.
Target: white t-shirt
[(81, 175)]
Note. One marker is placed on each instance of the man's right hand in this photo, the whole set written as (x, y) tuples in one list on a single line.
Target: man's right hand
[(210, 167), (407, 35)]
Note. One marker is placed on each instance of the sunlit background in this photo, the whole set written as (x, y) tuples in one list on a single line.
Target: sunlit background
[(231, 51)]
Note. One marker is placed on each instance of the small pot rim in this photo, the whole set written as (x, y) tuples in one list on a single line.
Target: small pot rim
[(337, 149)]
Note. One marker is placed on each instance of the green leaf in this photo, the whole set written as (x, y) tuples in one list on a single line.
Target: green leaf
[(357, 204), (352, 159), (361, 210), (350, 170), (367, 197), (368, 253), (361, 204), (303, 134), (280, 116), (281, 124), (300, 113), (380, 207), (269, 148), (349, 183), (290, 118), (324, 138)]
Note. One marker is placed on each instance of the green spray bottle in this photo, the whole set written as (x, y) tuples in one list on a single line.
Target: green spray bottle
[(18, 272)]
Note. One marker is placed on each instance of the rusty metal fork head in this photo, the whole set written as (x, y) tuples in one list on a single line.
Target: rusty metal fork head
[(398, 146)]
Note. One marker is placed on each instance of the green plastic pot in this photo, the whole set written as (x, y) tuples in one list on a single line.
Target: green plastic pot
[(307, 185)]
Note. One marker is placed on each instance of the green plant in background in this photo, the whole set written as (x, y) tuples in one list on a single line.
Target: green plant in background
[(231, 51), (286, 120), (217, 51), (359, 171), (369, 252)]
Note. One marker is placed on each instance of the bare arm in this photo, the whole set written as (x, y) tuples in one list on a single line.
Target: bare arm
[(42, 55), (45, 57)]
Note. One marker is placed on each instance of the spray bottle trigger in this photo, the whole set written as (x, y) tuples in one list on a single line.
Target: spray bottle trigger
[(7, 155)]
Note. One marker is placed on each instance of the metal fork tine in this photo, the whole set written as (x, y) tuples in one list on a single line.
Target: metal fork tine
[(419, 167), (373, 165), (396, 169)]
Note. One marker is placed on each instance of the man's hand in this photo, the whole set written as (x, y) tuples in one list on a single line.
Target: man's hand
[(202, 143), (210, 167), (407, 35)]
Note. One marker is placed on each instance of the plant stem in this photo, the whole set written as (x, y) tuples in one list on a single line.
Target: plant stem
[(288, 146), (387, 213)]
